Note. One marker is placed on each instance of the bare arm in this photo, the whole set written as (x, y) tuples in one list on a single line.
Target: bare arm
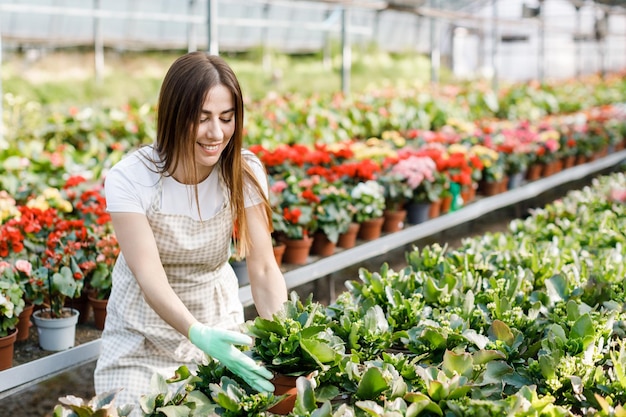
[(269, 290), (139, 247)]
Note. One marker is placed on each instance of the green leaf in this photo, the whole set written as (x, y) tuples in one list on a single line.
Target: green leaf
[(311, 331), (437, 391), (372, 384), (458, 363), (305, 400), (104, 399), (431, 290), (481, 357), (175, 410), (468, 304), (572, 310), (502, 332), (325, 410), (556, 287), (326, 392), (371, 408), (547, 365), (225, 401), (435, 338), (422, 403), (64, 282), (496, 371), (478, 339), (582, 328), (321, 352)]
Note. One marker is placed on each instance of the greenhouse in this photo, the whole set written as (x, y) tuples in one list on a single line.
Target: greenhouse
[(312, 208)]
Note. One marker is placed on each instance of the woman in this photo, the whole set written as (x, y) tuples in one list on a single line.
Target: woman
[(173, 206)]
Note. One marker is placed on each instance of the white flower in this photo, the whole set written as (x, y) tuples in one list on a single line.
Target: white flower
[(7, 306)]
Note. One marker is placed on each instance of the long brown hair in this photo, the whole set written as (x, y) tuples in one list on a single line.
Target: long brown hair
[(182, 96)]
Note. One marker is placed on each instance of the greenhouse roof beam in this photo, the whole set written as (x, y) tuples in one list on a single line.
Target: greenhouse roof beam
[(472, 18), (376, 5)]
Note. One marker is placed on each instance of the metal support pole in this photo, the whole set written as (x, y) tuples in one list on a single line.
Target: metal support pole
[(346, 51), (602, 42), (267, 58), (542, 40), (435, 52), (327, 53), (98, 43), (495, 38), (192, 41), (578, 40), (212, 27), (376, 30)]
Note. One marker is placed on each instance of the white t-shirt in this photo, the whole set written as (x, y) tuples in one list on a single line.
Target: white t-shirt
[(130, 186)]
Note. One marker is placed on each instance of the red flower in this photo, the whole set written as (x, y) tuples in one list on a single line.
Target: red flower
[(293, 215)]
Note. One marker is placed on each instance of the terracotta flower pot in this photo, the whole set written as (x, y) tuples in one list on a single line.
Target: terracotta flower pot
[(534, 172), (24, 323), (285, 384), (489, 188), (371, 229), (394, 220), (279, 251), (446, 203), (347, 239), (99, 308), (7, 344), (297, 250), (435, 209), (322, 246), (569, 161)]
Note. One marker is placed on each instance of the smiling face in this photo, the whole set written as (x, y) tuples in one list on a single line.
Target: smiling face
[(215, 129)]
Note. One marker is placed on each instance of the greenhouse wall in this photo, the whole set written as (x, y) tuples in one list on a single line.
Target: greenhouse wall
[(463, 35)]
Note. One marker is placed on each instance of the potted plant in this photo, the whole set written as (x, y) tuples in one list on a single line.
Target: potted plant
[(100, 280), (494, 169), (297, 341), (21, 273), (11, 305), (59, 278), (397, 193), (333, 215), (396, 188), (368, 199), (419, 173), (294, 201)]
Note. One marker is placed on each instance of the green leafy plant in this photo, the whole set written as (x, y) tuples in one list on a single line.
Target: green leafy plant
[(334, 212), (297, 340), (368, 199), (99, 406), (11, 299)]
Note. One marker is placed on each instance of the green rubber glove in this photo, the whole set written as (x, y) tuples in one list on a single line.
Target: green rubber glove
[(219, 344)]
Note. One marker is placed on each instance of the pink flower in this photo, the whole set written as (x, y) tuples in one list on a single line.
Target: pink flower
[(24, 266), (618, 195), (552, 145), (415, 169), (4, 265), (278, 187)]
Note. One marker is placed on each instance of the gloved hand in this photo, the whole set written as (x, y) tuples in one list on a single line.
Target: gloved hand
[(218, 344)]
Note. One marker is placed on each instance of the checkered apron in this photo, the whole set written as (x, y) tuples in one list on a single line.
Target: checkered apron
[(136, 342)]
